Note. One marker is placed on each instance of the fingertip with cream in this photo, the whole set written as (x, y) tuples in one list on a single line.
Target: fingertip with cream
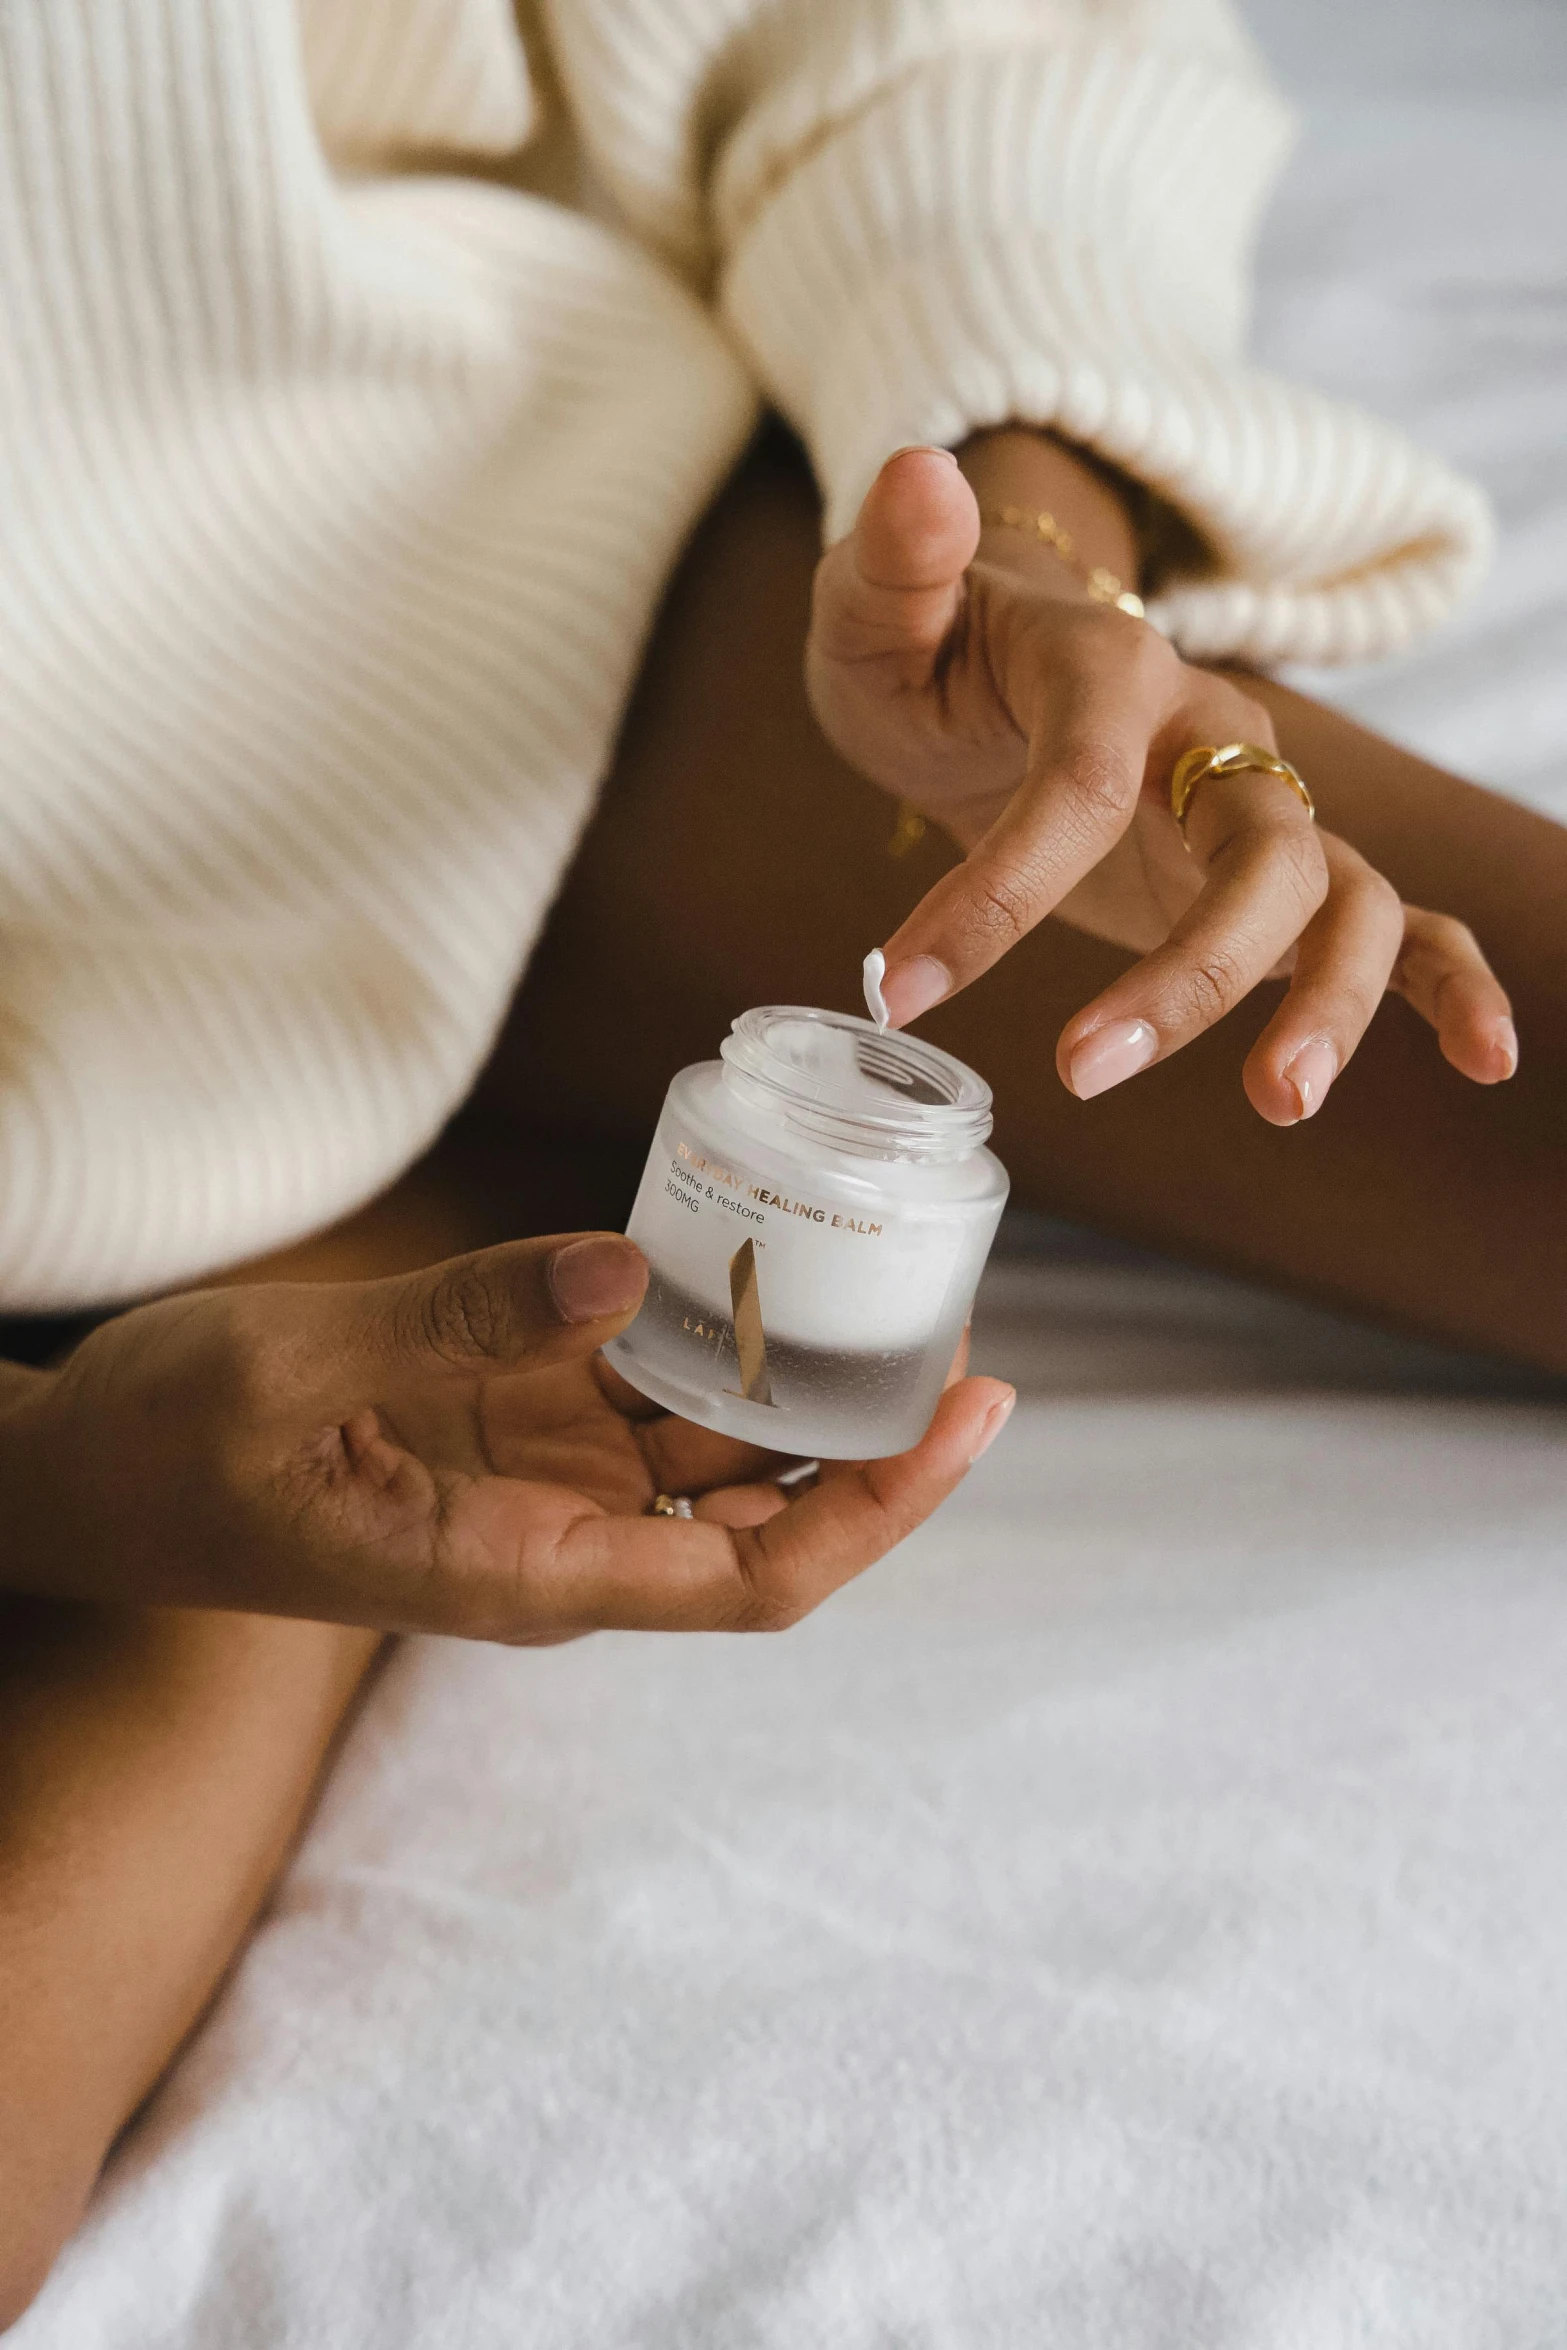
[(871, 973)]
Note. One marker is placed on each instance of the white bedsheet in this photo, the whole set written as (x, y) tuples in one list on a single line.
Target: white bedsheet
[(1132, 1918)]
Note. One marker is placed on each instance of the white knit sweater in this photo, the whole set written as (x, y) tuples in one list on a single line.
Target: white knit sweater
[(335, 495)]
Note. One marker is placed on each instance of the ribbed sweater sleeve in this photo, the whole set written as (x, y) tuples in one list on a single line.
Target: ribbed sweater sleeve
[(405, 76), (921, 217)]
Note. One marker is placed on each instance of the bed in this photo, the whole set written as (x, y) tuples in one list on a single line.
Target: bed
[(1132, 1917)]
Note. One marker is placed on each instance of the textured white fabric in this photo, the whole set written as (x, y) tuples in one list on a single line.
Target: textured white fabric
[(335, 494)]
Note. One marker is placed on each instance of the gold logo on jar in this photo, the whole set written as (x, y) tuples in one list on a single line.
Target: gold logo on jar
[(750, 1337)]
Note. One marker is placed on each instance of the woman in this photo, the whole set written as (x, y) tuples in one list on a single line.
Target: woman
[(338, 500)]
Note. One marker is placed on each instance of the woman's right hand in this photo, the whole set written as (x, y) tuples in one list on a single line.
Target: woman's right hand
[(976, 678), (444, 1452)]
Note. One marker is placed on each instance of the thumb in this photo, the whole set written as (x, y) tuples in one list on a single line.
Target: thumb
[(519, 1307), (893, 586)]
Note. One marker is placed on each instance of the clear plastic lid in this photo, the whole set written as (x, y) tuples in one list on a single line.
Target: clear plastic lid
[(856, 1087)]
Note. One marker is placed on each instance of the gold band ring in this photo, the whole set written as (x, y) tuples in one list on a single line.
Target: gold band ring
[(1195, 767)]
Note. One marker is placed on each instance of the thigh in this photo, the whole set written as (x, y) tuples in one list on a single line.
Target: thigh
[(735, 860)]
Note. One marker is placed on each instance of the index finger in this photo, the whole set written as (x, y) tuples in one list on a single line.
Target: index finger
[(697, 1575), (1086, 766)]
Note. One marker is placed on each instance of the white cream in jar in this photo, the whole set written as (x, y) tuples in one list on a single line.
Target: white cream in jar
[(816, 1211)]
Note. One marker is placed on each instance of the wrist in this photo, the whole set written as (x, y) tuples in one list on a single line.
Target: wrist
[(1019, 466)]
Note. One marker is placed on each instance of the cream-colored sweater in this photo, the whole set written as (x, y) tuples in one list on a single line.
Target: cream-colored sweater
[(335, 494)]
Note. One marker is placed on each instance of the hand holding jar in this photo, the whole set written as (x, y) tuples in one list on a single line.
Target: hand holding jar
[(441, 1452)]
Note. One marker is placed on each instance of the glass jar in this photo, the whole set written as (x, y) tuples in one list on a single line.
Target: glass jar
[(816, 1211)]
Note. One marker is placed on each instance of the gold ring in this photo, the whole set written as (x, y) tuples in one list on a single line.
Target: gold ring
[(669, 1505), (1195, 767)]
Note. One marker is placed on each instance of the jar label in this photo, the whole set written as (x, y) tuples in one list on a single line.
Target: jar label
[(759, 1259)]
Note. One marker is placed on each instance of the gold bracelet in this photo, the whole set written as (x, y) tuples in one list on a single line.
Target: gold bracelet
[(1101, 584), (908, 830)]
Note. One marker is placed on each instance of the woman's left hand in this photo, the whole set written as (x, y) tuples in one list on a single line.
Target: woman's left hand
[(1040, 729), (446, 1451)]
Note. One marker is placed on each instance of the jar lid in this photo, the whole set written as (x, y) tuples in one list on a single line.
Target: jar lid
[(872, 1091)]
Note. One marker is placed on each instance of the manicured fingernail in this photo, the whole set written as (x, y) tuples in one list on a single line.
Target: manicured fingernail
[(992, 1424), (911, 988), (922, 449), (1112, 1053), (1504, 1043), (602, 1275), (1308, 1074)]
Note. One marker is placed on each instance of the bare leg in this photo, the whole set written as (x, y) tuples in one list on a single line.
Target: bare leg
[(735, 860), (155, 1769)]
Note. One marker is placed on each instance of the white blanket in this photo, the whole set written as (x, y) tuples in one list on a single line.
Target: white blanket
[(1134, 1916)]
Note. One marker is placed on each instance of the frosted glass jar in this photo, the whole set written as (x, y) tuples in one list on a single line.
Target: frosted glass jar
[(816, 1211)]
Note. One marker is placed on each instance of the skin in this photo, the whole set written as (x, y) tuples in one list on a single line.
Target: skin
[(1040, 729), (156, 1767), (157, 1762), (438, 1452)]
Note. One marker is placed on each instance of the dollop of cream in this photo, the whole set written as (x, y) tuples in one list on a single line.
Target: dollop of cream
[(874, 970)]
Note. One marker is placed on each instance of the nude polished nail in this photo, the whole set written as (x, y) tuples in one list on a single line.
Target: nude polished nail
[(1504, 1042), (1111, 1055), (992, 1424), (1308, 1074), (911, 988)]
